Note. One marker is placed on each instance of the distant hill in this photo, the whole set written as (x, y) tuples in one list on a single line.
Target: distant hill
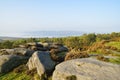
[(52, 33), (38, 34), (2, 38)]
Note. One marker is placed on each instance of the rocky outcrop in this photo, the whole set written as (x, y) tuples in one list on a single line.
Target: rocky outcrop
[(9, 62), (42, 61), (86, 69), (17, 51), (58, 46), (39, 46), (34, 46)]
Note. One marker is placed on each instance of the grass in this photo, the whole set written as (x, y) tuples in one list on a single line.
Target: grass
[(115, 61), (115, 53), (22, 73), (15, 76), (19, 73), (114, 44), (100, 52), (96, 52)]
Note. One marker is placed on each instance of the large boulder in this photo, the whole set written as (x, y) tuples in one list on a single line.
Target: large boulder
[(42, 61), (86, 69), (9, 62), (17, 51)]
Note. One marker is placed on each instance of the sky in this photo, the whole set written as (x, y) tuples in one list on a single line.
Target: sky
[(59, 15)]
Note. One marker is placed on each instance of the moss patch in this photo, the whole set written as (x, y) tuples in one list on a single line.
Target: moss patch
[(15, 76)]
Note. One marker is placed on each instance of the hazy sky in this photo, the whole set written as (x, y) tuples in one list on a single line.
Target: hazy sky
[(60, 15)]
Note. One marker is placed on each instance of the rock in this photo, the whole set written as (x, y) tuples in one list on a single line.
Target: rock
[(31, 44), (58, 46), (55, 46), (33, 48), (34, 45), (42, 49), (86, 69), (9, 62), (63, 48), (39, 44), (46, 45), (42, 61), (23, 51), (17, 51), (5, 51), (22, 46)]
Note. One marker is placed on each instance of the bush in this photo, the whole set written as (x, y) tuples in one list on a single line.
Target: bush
[(75, 54), (96, 46), (54, 53)]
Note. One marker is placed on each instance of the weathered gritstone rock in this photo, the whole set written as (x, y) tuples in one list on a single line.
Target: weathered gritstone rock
[(86, 69), (39, 46), (17, 51), (9, 62), (34, 45), (42, 61)]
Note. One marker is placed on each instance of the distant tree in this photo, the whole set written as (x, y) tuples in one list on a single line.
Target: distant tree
[(72, 42), (114, 34), (103, 37), (88, 39)]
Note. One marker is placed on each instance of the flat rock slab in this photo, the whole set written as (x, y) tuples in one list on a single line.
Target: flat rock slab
[(86, 69)]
